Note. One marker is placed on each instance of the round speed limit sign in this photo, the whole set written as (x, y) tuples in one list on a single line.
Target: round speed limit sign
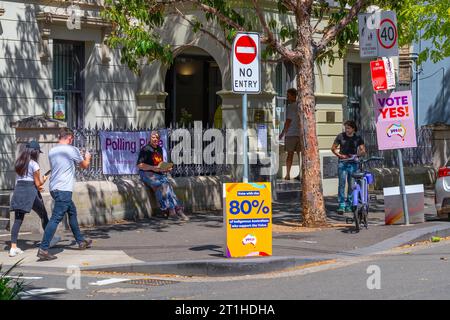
[(387, 34)]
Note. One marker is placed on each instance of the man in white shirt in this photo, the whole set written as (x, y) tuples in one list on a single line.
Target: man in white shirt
[(63, 158), (292, 131)]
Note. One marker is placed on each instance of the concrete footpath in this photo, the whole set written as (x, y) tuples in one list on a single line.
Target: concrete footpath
[(195, 248)]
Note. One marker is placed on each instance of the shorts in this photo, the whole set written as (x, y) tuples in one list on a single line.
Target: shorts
[(292, 144)]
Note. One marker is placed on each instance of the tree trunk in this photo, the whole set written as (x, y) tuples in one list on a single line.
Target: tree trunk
[(312, 193)]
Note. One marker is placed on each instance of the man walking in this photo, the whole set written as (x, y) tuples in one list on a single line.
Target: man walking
[(292, 131), (63, 159)]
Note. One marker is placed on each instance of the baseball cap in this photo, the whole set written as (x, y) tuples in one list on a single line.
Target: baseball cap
[(34, 145)]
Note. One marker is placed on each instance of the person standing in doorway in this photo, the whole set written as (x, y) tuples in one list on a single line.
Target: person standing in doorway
[(27, 193), (292, 131), (63, 159), (347, 145)]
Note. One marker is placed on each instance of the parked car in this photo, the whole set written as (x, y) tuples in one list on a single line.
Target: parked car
[(442, 191)]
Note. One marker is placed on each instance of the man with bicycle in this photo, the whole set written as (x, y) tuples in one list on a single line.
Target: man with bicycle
[(347, 144)]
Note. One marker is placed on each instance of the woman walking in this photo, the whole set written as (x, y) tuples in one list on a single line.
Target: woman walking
[(154, 177), (27, 194)]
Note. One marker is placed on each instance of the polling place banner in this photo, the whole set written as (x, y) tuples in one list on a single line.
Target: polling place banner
[(395, 120), (120, 150)]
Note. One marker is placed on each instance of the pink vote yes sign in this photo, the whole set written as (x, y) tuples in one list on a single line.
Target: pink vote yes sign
[(395, 120)]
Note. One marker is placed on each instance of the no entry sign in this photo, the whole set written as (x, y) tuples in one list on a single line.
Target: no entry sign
[(246, 77)]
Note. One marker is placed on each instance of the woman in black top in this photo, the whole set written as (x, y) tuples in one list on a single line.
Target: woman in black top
[(155, 178)]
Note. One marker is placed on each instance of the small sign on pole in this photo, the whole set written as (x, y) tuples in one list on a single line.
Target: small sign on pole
[(378, 34), (246, 76), (395, 120), (383, 74)]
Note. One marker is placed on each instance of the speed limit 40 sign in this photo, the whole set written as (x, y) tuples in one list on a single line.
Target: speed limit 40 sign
[(378, 34)]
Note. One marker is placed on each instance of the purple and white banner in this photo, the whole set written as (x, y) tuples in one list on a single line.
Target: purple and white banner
[(120, 150)]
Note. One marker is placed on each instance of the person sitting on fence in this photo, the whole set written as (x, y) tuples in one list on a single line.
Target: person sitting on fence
[(155, 177)]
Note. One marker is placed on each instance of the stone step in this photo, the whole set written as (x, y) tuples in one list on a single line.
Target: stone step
[(4, 198), (288, 195), (4, 211), (4, 224), (288, 185)]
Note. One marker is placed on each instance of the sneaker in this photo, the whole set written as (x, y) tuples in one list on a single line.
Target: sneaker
[(173, 216), (14, 252), (182, 216), (85, 244), (45, 255), (54, 241), (341, 209), (348, 208)]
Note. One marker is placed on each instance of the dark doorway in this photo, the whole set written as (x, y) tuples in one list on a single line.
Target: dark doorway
[(191, 83), (354, 93), (68, 82)]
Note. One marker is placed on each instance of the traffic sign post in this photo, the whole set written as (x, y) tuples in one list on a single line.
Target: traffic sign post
[(378, 34), (246, 77)]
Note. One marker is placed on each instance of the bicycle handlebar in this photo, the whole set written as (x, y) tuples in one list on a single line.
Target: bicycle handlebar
[(356, 159)]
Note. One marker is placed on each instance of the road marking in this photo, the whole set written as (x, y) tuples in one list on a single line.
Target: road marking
[(24, 278), (20, 234), (36, 292), (108, 281)]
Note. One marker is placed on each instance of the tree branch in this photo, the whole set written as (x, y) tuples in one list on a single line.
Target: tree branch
[(270, 38), (331, 33), (211, 10)]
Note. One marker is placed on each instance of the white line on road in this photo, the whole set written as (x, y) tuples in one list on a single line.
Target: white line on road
[(36, 292), (20, 234), (107, 281), (24, 278)]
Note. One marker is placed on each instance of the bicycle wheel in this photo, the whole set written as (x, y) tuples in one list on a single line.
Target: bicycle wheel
[(356, 217)]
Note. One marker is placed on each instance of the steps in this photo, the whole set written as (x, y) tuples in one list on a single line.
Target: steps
[(288, 190), (4, 210)]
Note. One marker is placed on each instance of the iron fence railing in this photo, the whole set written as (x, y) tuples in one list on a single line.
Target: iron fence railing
[(422, 155), (89, 139)]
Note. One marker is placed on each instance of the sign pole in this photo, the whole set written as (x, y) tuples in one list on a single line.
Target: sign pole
[(402, 187), (245, 134)]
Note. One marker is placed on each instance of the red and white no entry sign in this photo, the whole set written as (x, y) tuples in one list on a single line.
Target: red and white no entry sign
[(245, 50), (246, 63)]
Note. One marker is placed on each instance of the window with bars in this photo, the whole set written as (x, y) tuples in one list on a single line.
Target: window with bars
[(68, 82)]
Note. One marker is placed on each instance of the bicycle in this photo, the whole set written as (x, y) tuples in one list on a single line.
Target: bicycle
[(360, 194)]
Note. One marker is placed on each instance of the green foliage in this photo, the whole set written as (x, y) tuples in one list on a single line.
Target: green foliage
[(135, 25), (10, 287), (426, 20)]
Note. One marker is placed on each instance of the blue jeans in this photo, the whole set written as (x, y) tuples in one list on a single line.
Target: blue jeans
[(345, 170), (63, 204)]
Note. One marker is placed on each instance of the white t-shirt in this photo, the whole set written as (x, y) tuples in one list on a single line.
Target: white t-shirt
[(33, 166), (292, 113)]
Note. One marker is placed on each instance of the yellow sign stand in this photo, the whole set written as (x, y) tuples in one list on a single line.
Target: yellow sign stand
[(248, 219)]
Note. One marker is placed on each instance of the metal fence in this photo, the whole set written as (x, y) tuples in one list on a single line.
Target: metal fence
[(89, 139), (422, 155)]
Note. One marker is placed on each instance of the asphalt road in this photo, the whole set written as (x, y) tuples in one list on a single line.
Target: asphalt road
[(419, 272)]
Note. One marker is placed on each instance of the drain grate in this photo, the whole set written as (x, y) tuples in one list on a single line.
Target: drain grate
[(151, 282)]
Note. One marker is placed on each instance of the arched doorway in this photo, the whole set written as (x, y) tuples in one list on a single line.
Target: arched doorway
[(191, 83)]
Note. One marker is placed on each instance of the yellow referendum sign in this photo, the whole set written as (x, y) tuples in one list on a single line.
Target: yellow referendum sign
[(248, 219)]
